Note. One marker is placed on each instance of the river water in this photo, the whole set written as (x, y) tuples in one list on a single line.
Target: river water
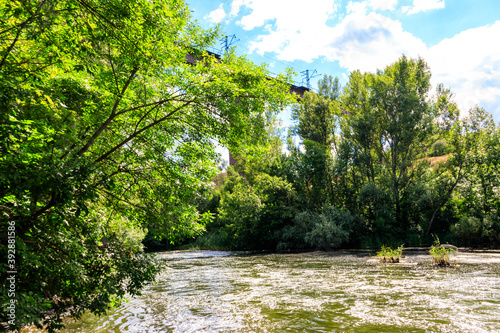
[(213, 291)]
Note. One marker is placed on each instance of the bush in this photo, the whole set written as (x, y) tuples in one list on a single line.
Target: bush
[(240, 213), (253, 215), (375, 200), (218, 240), (468, 230), (328, 229), (473, 231), (491, 228), (439, 148)]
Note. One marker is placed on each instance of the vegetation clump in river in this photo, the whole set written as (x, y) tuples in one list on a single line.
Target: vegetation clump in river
[(440, 254), (389, 255)]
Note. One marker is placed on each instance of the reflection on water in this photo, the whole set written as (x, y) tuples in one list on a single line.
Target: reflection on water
[(207, 291)]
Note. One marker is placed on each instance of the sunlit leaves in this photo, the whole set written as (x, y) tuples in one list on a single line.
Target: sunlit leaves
[(107, 130)]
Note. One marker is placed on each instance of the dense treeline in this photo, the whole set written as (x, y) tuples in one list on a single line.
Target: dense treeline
[(107, 134), (381, 161)]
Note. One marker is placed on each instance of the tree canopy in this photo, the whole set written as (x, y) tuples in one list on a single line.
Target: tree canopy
[(107, 133)]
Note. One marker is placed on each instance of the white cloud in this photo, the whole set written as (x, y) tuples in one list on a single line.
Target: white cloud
[(356, 7), (423, 5), (370, 41), (216, 16), (299, 31), (469, 63), (361, 7), (297, 28), (360, 41), (382, 4), (287, 15), (236, 5)]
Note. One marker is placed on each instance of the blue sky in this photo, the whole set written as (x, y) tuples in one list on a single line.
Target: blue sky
[(459, 39)]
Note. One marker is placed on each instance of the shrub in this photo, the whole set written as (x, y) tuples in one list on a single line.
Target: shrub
[(467, 230), (375, 200), (218, 240), (329, 229), (439, 148), (473, 231), (240, 212)]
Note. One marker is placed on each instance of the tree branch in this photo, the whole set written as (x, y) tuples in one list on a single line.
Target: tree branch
[(157, 103), (9, 49), (448, 194), (136, 133), (121, 199), (113, 69), (111, 116)]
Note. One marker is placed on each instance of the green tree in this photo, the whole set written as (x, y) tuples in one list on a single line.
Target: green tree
[(329, 87), (317, 117), (404, 120), (387, 124), (476, 198), (252, 214), (357, 162), (107, 130)]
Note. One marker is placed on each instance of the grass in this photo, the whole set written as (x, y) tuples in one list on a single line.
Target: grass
[(387, 254), (436, 160), (440, 254)]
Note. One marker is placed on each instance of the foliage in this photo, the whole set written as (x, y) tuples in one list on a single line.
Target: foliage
[(240, 212), (439, 148), (387, 127), (476, 199), (440, 254), (253, 214), (329, 229), (387, 254), (315, 173), (317, 118), (216, 240), (473, 231), (368, 150), (108, 133), (329, 87)]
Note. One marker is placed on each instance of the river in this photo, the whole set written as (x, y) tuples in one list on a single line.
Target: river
[(214, 291)]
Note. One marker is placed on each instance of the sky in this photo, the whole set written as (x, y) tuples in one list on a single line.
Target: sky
[(459, 39)]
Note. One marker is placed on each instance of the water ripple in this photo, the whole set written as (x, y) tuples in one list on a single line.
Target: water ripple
[(210, 291)]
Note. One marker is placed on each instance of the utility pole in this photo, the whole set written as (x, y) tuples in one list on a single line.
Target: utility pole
[(227, 42), (308, 75)]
